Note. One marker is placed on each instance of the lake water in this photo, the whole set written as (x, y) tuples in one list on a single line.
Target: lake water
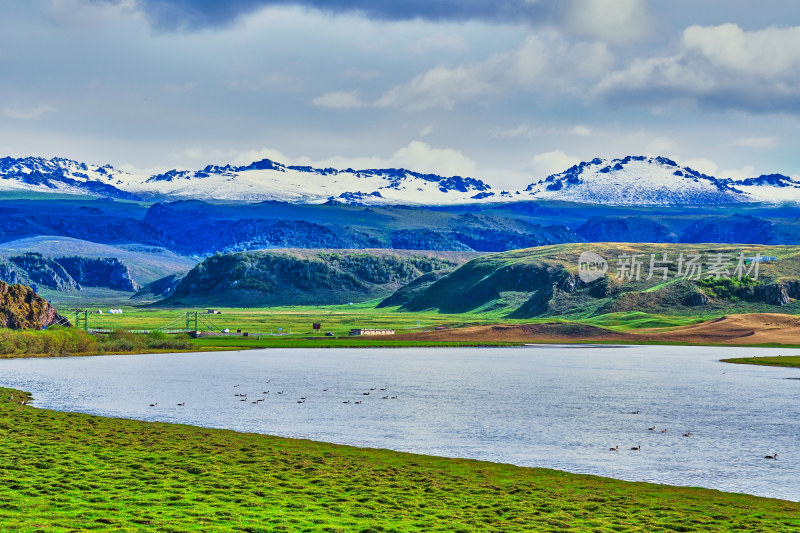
[(558, 407)]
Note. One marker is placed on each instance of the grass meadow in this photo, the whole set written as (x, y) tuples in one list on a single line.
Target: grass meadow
[(75, 472)]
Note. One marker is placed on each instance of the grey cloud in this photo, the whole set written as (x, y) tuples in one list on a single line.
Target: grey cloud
[(196, 14), (717, 67), (543, 63)]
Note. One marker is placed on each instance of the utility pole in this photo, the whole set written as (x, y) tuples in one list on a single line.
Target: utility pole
[(84, 319)]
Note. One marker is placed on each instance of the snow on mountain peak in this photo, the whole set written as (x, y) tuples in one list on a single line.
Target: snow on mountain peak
[(267, 180), (632, 180), (636, 180)]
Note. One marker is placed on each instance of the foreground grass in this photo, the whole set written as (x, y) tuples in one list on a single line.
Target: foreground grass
[(781, 360), (68, 472)]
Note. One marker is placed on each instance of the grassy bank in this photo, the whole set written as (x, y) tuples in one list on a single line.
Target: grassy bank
[(62, 342), (792, 361), (291, 327), (116, 474), (57, 342)]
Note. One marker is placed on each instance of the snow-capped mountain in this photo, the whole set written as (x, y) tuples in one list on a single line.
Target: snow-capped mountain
[(640, 180), (258, 181), (633, 180), (770, 188), (269, 180), (61, 175)]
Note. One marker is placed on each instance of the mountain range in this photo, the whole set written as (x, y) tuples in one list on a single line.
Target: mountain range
[(633, 180)]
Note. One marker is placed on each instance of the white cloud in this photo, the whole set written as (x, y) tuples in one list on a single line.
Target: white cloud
[(720, 67), (701, 164), (543, 62), (427, 130), (248, 156), (767, 53), (340, 100), (581, 131), (444, 161), (615, 21), (547, 163), (28, 113), (747, 171), (196, 156), (417, 156), (757, 142), (661, 146)]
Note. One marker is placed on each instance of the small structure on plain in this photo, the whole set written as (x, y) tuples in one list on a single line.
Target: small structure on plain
[(365, 331)]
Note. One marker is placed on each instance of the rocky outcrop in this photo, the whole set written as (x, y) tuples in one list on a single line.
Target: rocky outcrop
[(45, 271), (777, 293), (696, 298), (501, 240), (21, 308), (67, 273), (732, 229), (425, 239), (251, 279), (8, 273), (624, 229), (99, 272), (160, 288)]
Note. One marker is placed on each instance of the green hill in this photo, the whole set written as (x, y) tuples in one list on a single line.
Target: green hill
[(304, 277), (545, 281)]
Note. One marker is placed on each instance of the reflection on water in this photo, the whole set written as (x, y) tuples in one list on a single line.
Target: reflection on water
[(558, 407)]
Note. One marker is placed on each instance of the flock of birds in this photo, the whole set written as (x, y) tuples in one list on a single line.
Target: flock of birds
[(243, 397), (664, 430)]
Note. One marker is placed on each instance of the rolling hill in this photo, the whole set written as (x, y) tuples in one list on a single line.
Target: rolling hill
[(545, 282), (302, 277)]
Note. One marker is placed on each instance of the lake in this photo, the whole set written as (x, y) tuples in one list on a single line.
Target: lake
[(558, 407)]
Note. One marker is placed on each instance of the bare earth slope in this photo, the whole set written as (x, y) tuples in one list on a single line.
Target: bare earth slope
[(750, 329)]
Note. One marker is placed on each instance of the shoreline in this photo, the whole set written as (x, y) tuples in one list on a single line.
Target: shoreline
[(333, 344), (367, 486)]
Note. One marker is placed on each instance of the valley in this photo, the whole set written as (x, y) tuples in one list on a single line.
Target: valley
[(389, 267)]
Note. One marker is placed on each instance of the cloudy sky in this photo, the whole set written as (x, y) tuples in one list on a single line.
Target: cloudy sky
[(506, 91)]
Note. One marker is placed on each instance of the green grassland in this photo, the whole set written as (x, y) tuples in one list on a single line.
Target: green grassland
[(340, 319), (790, 361), (110, 474), (289, 327), (286, 327)]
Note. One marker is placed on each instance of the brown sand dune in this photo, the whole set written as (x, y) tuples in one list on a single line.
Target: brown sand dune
[(759, 328), (551, 332), (756, 328)]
